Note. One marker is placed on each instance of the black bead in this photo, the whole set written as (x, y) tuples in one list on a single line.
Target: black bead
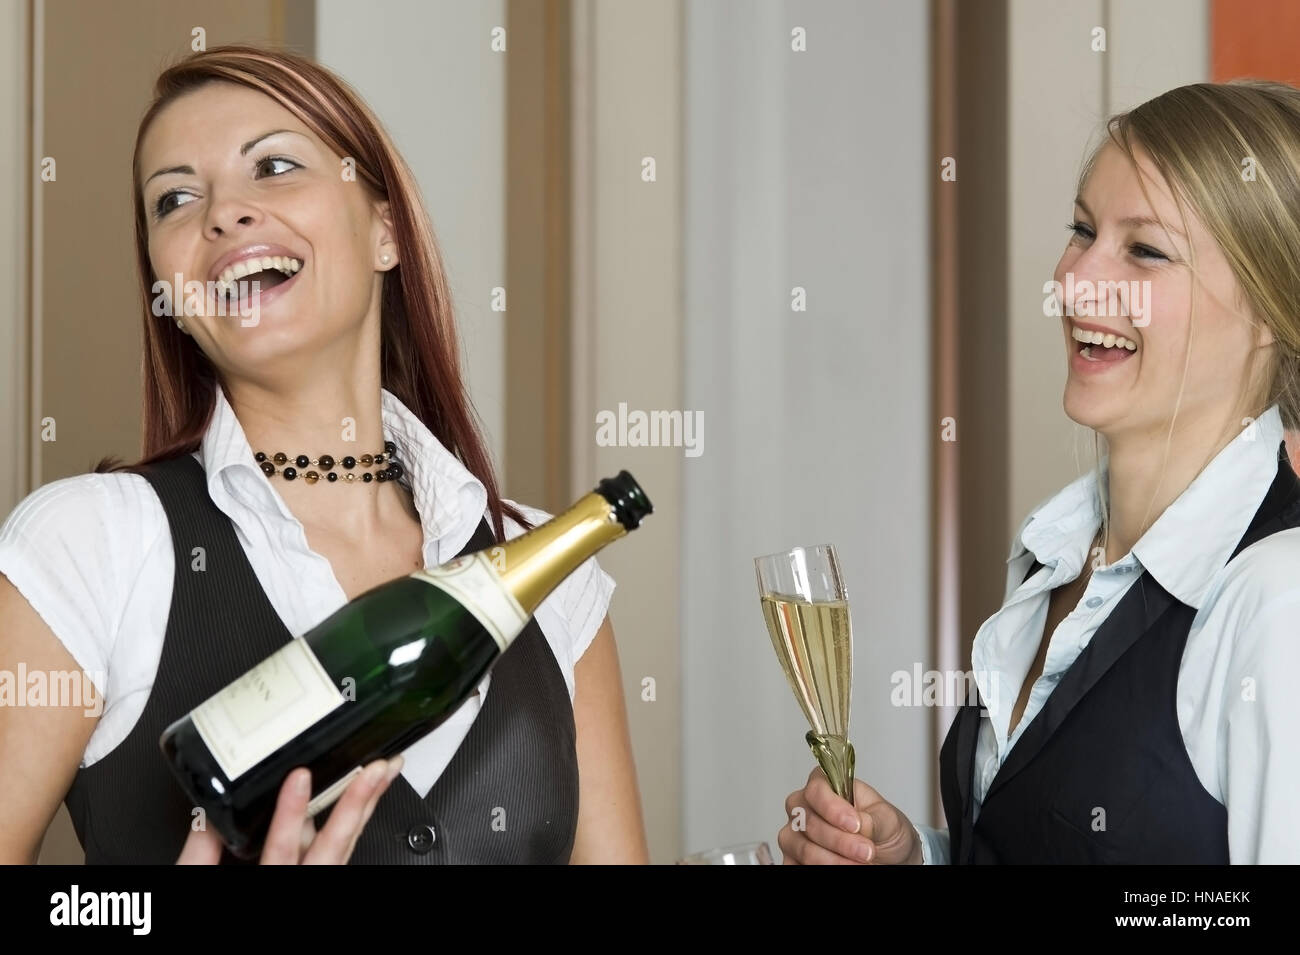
[(332, 476), (259, 457), (268, 468), (367, 477), (349, 462), (395, 470), (302, 460), (326, 461), (379, 459), (381, 476), (390, 448), (289, 474)]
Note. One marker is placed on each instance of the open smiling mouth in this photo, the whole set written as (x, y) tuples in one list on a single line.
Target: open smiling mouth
[(235, 287), (1101, 347)]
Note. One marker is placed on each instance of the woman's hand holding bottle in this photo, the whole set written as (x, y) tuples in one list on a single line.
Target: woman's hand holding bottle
[(292, 838)]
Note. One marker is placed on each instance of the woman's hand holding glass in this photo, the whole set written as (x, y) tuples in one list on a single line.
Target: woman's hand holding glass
[(823, 829)]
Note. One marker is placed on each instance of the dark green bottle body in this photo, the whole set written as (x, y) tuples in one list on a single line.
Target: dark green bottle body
[(379, 673), (442, 653)]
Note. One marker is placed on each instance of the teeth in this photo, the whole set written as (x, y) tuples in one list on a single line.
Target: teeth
[(1105, 339), (282, 263)]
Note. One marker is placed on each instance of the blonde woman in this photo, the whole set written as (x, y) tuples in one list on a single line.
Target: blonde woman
[(1136, 687), (255, 163)]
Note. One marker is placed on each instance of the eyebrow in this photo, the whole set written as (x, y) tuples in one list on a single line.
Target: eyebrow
[(1136, 221), (243, 151)]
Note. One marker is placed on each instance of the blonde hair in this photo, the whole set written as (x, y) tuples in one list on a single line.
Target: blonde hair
[(1231, 152)]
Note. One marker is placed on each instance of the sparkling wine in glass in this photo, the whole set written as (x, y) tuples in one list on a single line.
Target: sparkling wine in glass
[(806, 609)]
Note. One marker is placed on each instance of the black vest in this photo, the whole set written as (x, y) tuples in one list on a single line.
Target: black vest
[(1107, 738), (509, 795)]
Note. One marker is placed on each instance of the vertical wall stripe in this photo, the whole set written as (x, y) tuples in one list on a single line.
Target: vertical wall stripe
[(945, 647), (970, 123), (538, 423), (15, 250), (584, 256), (36, 298)]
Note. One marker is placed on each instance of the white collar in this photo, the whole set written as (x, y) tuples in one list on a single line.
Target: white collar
[(449, 499), (1214, 512)]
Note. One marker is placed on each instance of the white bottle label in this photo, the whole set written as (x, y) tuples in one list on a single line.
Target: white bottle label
[(265, 708), (474, 582)]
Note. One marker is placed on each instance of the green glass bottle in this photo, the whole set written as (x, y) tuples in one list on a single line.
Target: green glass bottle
[(381, 672)]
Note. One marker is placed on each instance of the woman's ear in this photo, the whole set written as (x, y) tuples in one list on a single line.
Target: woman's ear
[(1263, 334), (387, 246)]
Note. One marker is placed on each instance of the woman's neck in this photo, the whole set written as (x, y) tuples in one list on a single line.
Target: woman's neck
[(1142, 482), (330, 417)]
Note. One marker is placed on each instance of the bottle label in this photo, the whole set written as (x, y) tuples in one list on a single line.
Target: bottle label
[(476, 585), (264, 709)]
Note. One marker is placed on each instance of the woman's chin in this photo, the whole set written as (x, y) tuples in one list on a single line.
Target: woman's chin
[(260, 347), (1087, 410)]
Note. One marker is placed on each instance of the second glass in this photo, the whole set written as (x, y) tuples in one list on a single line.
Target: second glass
[(806, 609)]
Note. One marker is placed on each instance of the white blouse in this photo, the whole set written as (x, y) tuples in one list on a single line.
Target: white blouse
[(1236, 697), (93, 556)]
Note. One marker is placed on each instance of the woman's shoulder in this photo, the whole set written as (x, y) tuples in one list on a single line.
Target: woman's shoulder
[(1264, 573), (534, 516), (1255, 599), (87, 505), (78, 549)]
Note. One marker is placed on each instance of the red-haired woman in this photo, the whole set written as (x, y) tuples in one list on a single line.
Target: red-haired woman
[(302, 444)]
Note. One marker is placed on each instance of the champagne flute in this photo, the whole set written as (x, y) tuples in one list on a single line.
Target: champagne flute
[(750, 853), (806, 609)]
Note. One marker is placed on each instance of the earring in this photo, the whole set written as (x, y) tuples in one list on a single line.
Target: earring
[(385, 258)]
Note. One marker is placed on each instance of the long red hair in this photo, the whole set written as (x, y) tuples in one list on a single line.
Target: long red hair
[(420, 353)]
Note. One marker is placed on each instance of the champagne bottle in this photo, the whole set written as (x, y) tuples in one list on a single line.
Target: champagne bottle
[(379, 673)]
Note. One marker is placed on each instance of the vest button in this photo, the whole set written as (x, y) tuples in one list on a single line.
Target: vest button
[(420, 838), (1094, 601)]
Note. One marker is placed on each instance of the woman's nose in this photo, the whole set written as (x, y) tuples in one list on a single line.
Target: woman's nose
[(227, 213), (1090, 286), (1089, 295)]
